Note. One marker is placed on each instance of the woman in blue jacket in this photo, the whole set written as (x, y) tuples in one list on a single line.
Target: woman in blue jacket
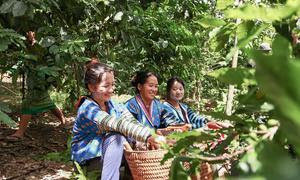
[(180, 111), (144, 106)]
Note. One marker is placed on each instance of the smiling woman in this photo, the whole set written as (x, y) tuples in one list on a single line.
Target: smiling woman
[(181, 112), (101, 124), (144, 106)]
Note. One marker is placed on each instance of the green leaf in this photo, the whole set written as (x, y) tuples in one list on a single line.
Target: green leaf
[(52, 71), (4, 107), (278, 76), (4, 44), (282, 48), (249, 162), (219, 37), (223, 4), (247, 31), (177, 171), (7, 6), (244, 28), (80, 170), (7, 120), (223, 116), (281, 166), (267, 14), (251, 102), (236, 76), (210, 22), (54, 49), (220, 148), (47, 41), (19, 9)]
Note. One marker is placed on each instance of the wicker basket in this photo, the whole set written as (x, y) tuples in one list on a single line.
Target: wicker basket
[(145, 165)]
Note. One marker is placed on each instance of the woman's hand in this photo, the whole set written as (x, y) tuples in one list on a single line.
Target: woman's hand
[(218, 125), (154, 142), (180, 128)]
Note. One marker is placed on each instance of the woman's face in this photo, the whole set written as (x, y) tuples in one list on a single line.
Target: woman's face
[(149, 89), (105, 89), (177, 91)]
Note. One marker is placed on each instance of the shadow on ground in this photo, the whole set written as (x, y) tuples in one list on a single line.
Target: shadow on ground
[(25, 159)]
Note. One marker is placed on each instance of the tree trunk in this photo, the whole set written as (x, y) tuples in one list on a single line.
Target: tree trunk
[(77, 79), (230, 94)]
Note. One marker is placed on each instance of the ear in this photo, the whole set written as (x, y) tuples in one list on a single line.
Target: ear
[(92, 87), (139, 86)]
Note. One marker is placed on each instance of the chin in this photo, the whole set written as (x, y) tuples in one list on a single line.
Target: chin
[(179, 99), (107, 99)]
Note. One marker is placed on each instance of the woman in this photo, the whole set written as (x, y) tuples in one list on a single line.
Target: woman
[(101, 123), (182, 113), (37, 99), (144, 106)]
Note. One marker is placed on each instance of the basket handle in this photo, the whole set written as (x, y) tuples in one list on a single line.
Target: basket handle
[(127, 146)]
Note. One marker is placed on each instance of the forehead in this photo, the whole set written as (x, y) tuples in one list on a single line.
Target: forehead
[(107, 77), (152, 79), (177, 84)]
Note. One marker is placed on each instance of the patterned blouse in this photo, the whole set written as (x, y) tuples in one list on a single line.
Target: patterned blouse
[(185, 115), (158, 117), (92, 124)]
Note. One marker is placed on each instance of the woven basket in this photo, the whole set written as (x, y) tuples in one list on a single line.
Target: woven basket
[(145, 165)]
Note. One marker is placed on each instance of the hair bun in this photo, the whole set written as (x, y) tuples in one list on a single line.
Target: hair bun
[(134, 82)]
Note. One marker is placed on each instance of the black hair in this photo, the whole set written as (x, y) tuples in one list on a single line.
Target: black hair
[(94, 72), (140, 78), (171, 82)]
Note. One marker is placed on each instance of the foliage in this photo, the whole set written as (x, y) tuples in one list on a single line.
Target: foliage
[(83, 174), (274, 97), (61, 156), (6, 119), (191, 39), (162, 37)]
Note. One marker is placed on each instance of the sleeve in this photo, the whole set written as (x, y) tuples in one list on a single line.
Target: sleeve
[(196, 120), (167, 118), (125, 124), (132, 108)]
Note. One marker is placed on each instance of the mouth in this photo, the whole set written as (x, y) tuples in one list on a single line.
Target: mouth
[(152, 94), (108, 95)]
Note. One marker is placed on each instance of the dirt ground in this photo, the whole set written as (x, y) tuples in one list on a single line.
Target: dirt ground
[(25, 159)]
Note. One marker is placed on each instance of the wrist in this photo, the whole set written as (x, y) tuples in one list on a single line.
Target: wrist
[(147, 138)]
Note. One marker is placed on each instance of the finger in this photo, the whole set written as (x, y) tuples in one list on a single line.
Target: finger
[(157, 146), (159, 132)]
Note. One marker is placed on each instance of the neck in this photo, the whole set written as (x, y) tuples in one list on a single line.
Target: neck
[(173, 103), (147, 102), (101, 103)]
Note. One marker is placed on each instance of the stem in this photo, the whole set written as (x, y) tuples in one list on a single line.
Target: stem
[(227, 156), (77, 80), (234, 63), (9, 90)]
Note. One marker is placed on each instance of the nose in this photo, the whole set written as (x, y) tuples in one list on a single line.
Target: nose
[(112, 89)]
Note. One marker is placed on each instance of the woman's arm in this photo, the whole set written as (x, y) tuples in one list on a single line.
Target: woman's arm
[(196, 120), (168, 118), (125, 123)]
